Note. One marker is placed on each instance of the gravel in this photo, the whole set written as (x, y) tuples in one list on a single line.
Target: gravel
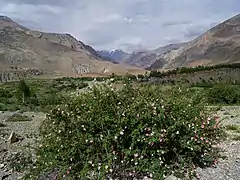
[(229, 167), (11, 152), (226, 169)]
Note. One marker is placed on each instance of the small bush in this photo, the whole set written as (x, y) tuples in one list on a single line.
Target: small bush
[(140, 76), (50, 99), (130, 77), (82, 85), (236, 138), (86, 78), (100, 79), (224, 94), (5, 93), (20, 161), (18, 118), (2, 107), (23, 91), (2, 125), (131, 132)]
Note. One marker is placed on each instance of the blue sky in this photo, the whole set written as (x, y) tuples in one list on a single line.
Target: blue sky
[(126, 24)]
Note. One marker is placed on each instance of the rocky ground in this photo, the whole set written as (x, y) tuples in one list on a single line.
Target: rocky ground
[(17, 136), (227, 168)]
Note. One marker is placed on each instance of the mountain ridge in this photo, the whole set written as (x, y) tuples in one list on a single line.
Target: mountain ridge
[(220, 44), (22, 48), (141, 58), (117, 54)]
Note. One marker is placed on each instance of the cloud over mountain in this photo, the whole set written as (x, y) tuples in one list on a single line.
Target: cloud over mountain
[(124, 24)]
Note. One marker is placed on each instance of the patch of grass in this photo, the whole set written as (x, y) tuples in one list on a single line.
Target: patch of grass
[(18, 118), (232, 127), (44, 95), (47, 93), (236, 138)]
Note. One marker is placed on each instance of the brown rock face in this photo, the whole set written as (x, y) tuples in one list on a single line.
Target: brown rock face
[(219, 45), (151, 59)]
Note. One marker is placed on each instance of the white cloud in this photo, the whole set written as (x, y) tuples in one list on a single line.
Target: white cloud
[(127, 24), (109, 18)]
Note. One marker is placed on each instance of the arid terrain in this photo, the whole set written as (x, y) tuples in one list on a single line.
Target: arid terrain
[(23, 50), (70, 111)]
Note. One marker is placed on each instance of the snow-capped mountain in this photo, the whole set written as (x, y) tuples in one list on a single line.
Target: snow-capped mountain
[(117, 54)]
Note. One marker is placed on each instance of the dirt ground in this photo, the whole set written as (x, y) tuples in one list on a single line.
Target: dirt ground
[(15, 154)]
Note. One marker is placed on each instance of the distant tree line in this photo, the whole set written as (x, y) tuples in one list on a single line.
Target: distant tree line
[(188, 70), (99, 79), (154, 73)]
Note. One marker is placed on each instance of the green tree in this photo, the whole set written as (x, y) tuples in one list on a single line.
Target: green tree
[(23, 91)]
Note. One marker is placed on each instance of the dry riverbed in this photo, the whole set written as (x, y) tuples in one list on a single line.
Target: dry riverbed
[(18, 138)]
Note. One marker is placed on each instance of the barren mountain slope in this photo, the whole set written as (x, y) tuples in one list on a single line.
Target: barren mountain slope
[(145, 59), (221, 44), (114, 55), (22, 48)]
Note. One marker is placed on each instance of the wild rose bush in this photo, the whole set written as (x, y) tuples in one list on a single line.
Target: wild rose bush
[(133, 132)]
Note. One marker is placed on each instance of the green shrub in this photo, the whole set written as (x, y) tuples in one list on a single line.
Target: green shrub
[(203, 84), (100, 79), (71, 84), (130, 77), (82, 85), (131, 132), (12, 107), (140, 76), (188, 70), (2, 107), (20, 161), (5, 93), (224, 94), (50, 99), (86, 78), (2, 125), (23, 91)]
